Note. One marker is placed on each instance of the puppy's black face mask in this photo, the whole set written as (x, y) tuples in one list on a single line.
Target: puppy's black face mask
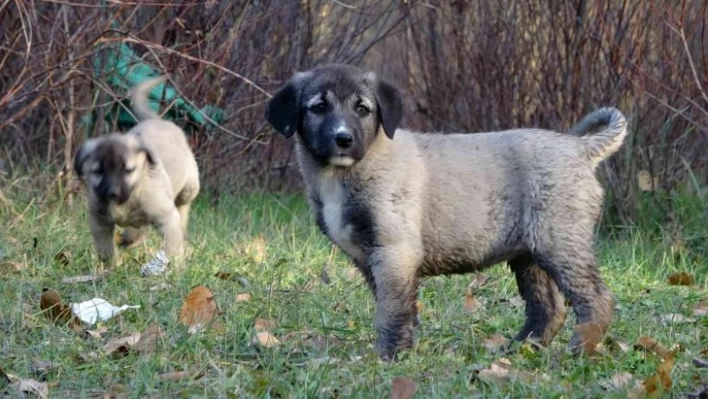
[(112, 174), (113, 168), (337, 111)]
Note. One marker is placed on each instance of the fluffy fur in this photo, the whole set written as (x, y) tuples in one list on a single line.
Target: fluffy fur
[(147, 176), (405, 205)]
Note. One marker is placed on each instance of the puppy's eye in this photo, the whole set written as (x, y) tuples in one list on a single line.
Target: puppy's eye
[(97, 172), (362, 111), (129, 170), (318, 108)]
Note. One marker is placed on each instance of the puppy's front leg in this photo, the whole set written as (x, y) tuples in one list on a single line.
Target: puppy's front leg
[(170, 228), (102, 233), (395, 274)]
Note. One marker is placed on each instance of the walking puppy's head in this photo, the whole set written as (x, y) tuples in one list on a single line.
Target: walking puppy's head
[(113, 165), (337, 111)]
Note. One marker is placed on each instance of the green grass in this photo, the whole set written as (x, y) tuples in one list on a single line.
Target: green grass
[(334, 358)]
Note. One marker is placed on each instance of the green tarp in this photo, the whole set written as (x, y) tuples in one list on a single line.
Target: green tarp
[(120, 68)]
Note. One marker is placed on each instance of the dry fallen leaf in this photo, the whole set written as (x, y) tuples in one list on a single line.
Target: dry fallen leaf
[(651, 345), (477, 282), (681, 278), (646, 182), (64, 257), (24, 386), (256, 249), (660, 382), (84, 279), (472, 305), (121, 345), (243, 297), (620, 381), (591, 335), (40, 366), (97, 332), (402, 388), (494, 343), (198, 310), (500, 371), (266, 339), (12, 266), (623, 347), (33, 387), (148, 340), (613, 345), (58, 312), (264, 324), (701, 310)]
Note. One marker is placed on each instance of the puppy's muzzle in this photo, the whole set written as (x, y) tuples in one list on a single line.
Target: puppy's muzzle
[(108, 192), (343, 151)]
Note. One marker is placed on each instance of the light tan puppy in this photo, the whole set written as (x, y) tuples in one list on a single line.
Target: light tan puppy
[(147, 176)]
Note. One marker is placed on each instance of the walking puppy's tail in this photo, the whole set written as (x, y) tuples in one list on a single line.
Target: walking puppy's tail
[(600, 144), (139, 98)]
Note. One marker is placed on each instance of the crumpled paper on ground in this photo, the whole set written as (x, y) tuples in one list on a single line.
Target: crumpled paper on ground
[(96, 309), (156, 266)]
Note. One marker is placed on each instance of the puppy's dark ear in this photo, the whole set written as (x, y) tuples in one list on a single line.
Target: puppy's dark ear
[(283, 110), (82, 155), (390, 107)]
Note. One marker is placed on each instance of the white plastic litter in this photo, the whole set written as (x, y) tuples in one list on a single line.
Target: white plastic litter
[(96, 309), (155, 266)]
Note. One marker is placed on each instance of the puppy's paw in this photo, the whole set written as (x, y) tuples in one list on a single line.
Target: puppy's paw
[(156, 266)]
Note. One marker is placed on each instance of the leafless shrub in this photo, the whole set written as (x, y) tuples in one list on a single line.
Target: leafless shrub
[(463, 65)]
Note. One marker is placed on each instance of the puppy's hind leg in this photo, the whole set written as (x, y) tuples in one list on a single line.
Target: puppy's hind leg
[(183, 202), (184, 217), (578, 277), (170, 228), (545, 308)]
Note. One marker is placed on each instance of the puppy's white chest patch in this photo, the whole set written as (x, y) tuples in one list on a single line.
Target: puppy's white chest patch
[(333, 199)]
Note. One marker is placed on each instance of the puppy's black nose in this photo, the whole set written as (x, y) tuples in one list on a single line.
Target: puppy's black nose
[(113, 193), (343, 140)]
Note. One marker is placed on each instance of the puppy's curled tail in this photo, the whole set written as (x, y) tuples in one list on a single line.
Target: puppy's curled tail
[(139, 98), (603, 143)]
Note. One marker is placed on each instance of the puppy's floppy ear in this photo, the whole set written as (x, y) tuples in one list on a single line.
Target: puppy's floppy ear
[(82, 155), (390, 107), (283, 110), (149, 154)]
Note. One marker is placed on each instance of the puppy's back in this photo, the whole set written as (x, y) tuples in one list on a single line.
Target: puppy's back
[(167, 141)]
